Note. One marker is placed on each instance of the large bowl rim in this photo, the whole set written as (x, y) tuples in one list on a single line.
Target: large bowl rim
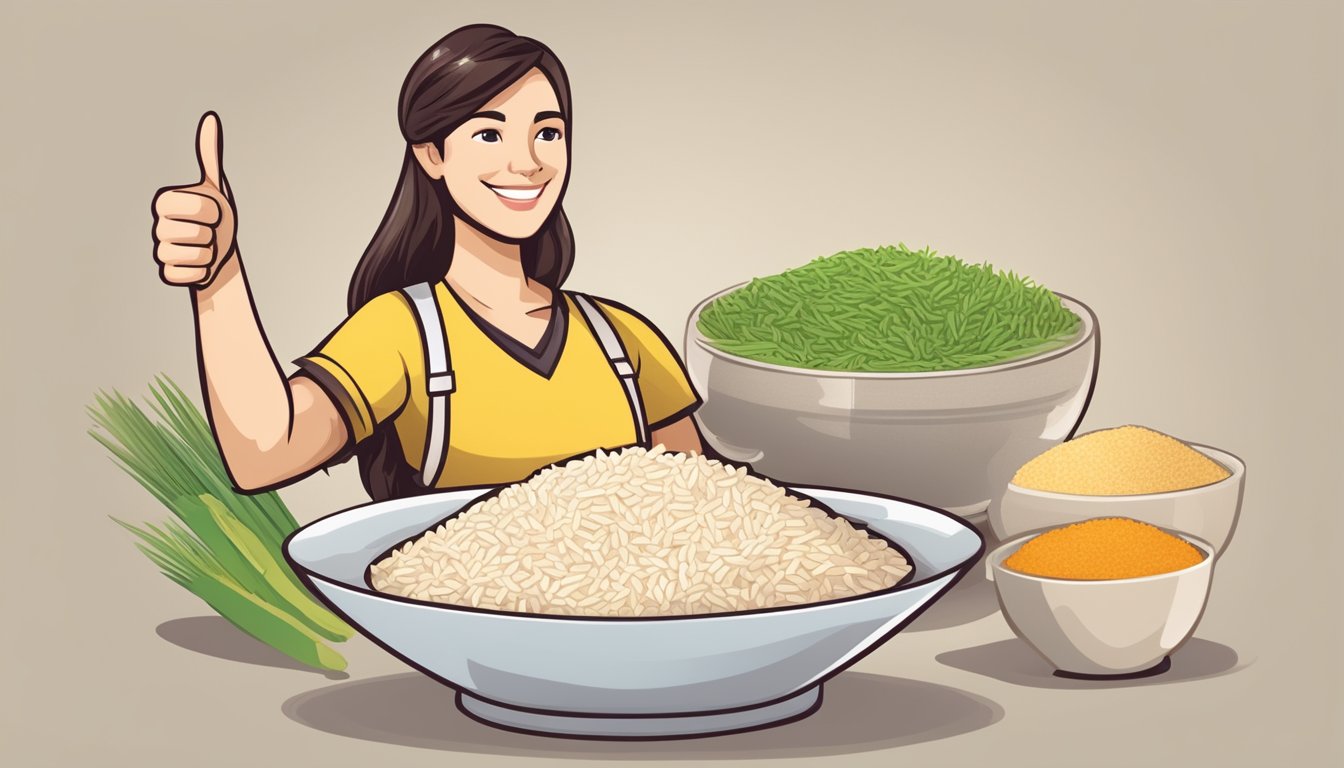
[(1088, 333), (995, 560), (1235, 466), (957, 571)]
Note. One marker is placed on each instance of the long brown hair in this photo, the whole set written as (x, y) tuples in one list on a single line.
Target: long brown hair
[(450, 81)]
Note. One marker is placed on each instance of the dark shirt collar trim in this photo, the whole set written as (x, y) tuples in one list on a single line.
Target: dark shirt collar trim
[(541, 359)]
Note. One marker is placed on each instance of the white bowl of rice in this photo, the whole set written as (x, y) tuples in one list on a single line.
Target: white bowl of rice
[(950, 438), (629, 613)]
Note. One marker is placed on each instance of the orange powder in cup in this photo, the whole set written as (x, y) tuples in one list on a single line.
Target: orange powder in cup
[(1105, 548)]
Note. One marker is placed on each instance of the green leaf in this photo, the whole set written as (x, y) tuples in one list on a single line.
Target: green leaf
[(223, 545), (265, 622), (310, 612)]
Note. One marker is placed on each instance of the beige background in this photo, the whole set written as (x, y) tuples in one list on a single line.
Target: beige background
[(1176, 166)]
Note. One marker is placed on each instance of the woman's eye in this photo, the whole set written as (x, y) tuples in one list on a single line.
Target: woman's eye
[(549, 134), (489, 136)]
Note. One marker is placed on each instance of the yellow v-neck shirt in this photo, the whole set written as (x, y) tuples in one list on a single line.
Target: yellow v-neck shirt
[(507, 419)]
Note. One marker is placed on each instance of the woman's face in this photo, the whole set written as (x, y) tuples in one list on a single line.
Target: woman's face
[(505, 166)]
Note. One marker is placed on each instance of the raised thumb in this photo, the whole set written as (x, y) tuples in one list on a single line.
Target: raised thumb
[(210, 150)]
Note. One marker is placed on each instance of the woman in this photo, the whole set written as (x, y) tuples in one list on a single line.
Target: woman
[(462, 362)]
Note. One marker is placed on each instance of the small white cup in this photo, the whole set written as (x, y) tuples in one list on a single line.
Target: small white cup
[(1208, 512), (1103, 627)]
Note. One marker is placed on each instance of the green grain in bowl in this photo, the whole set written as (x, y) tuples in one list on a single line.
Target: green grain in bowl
[(889, 309)]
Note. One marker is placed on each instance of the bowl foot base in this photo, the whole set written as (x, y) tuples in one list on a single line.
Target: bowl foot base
[(650, 726), (1156, 669), (971, 513)]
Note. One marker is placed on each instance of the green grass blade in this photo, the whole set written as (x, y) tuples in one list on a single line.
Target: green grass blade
[(160, 463), (181, 561), (191, 547), (305, 608), (223, 545), (262, 512), (166, 566), (116, 422), (202, 523), (266, 623)]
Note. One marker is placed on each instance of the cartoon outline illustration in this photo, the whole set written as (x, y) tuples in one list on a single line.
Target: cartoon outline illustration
[(436, 206), (195, 244)]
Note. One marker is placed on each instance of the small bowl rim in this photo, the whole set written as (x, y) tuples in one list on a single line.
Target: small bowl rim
[(1087, 333), (995, 559), (1236, 468)]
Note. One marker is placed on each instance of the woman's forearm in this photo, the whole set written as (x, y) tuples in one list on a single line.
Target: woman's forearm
[(680, 435), (267, 432)]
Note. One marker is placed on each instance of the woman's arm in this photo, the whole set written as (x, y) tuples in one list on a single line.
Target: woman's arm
[(681, 436), (269, 430)]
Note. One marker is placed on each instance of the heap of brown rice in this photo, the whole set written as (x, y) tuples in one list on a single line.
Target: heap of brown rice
[(640, 533)]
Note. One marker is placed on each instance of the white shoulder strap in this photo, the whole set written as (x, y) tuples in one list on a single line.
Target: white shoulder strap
[(620, 361), (440, 382)]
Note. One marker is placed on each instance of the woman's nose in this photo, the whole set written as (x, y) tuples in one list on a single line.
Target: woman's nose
[(523, 162)]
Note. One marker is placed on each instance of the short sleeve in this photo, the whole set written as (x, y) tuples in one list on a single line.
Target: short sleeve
[(362, 364), (663, 384)]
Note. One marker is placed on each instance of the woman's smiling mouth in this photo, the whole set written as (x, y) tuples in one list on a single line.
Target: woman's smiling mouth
[(518, 198)]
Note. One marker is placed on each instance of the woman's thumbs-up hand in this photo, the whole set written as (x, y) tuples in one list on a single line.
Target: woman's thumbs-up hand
[(195, 224)]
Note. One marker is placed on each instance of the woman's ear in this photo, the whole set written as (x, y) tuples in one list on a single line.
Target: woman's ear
[(430, 159)]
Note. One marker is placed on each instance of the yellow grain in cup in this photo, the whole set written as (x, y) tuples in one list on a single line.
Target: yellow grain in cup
[(1116, 462)]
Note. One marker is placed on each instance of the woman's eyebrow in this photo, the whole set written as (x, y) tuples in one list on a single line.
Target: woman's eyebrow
[(546, 116), (488, 116)]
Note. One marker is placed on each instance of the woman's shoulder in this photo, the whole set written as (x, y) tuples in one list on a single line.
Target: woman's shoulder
[(618, 312), (392, 306), (627, 321), (388, 316)]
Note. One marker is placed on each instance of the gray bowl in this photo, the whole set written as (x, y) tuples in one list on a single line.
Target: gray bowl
[(628, 677), (952, 439)]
